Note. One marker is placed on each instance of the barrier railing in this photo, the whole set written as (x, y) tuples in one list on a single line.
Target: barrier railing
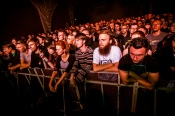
[(99, 78), (113, 78)]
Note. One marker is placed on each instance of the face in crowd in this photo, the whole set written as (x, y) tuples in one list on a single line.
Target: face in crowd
[(104, 44), (138, 49), (32, 45), (156, 25), (137, 55), (62, 47), (21, 47)]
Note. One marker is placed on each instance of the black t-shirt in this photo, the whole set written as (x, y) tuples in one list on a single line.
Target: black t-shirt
[(67, 66), (15, 58), (36, 61), (148, 64)]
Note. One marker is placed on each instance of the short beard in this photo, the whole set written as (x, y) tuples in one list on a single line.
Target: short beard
[(105, 51)]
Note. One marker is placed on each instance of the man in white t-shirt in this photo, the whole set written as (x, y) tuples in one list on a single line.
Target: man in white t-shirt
[(25, 54), (106, 56)]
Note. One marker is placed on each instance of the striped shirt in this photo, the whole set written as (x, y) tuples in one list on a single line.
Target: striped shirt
[(82, 64)]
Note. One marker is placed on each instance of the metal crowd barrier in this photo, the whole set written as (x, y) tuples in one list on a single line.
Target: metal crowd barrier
[(98, 78)]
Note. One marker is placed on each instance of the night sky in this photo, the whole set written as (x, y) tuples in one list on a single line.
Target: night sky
[(20, 17)]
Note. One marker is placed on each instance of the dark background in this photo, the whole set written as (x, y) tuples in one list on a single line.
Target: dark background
[(20, 17)]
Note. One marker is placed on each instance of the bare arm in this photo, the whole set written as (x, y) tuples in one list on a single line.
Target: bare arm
[(112, 68), (148, 83), (101, 67), (24, 65), (60, 79), (14, 67), (124, 75), (54, 73)]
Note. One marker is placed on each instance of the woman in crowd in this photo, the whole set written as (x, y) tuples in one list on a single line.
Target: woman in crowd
[(64, 61)]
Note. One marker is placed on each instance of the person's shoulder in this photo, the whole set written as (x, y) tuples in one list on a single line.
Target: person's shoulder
[(96, 49), (125, 59), (115, 47), (149, 35), (151, 58), (90, 48), (164, 33), (17, 51)]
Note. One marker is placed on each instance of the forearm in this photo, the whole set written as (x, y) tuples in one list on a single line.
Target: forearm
[(52, 77), (23, 66), (61, 78), (111, 69), (14, 67), (101, 67), (146, 83)]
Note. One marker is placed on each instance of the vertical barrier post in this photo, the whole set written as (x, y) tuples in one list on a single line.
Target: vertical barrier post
[(134, 97)]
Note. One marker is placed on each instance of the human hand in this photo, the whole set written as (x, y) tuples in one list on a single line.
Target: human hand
[(11, 72), (172, 68), (10, 68), (42, 55), (51, 88)]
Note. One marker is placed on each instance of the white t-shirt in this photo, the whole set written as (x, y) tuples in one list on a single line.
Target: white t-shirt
[(114, 56), (26, 57)]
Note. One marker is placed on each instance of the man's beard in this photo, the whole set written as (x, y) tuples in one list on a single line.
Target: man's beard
[(105, 51)]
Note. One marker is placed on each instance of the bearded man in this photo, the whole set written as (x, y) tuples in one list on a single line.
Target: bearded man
[(106, 57)]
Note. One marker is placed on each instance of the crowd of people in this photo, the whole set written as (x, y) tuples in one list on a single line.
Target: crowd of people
[(141, 49)]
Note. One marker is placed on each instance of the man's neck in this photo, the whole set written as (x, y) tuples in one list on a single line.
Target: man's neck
[(13, 51), (37, 51), (124, 34), (83, 48), (156, 33), (26, 51)]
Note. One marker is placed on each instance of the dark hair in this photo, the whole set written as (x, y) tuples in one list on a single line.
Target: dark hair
[(141, 33), (48, 41), (139, 42), (21, 42), (9, 45), (166, 41), (82, 36), (33, 40)]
